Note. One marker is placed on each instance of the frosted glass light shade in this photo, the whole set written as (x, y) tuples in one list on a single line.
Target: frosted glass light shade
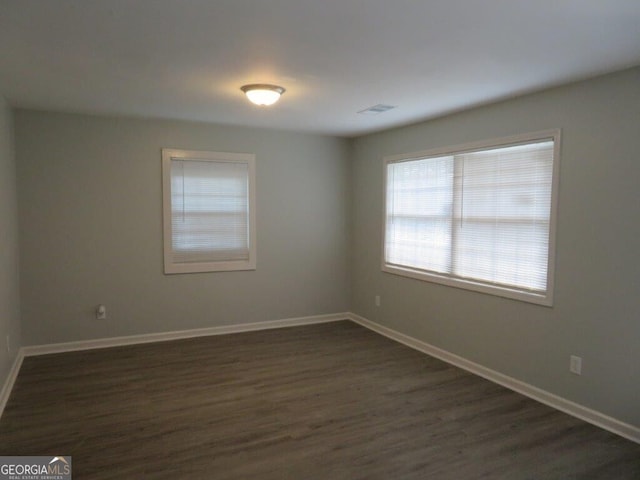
[(262, 94)]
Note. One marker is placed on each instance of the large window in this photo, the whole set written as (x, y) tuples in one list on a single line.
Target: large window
[(478, 216), (209, 211)]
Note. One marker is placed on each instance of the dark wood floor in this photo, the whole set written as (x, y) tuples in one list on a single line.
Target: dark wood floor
[(332, 401)]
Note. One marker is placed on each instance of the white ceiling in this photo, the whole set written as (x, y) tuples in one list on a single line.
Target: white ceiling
[(186, 59)]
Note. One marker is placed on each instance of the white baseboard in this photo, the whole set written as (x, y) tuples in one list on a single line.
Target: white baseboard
[(181, 334), (11, 379), (601, 420)]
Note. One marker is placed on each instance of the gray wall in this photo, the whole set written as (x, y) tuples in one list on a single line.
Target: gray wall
[(9, 283), (91, 228), (596, 314)]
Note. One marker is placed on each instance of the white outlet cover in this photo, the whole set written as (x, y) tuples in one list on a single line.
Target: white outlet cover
[(575, 365)]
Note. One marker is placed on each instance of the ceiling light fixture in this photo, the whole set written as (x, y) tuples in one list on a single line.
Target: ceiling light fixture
[(262, 93)]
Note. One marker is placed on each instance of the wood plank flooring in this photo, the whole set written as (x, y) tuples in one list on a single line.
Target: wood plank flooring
[(331, 401)]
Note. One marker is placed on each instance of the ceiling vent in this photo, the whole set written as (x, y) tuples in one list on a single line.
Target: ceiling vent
[(376, 109)]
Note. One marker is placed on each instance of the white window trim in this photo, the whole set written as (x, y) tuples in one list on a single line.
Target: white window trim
[(545, 299), (171, 267)]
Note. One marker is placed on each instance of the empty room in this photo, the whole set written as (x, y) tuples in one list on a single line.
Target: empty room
[(319, 240)]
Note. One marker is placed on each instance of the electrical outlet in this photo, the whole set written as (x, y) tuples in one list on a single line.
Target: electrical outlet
[(377, 300), (101, 312), (575, 365)]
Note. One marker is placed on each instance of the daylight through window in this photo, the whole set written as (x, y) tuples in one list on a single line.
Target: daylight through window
[(208, 211), (478, 216)]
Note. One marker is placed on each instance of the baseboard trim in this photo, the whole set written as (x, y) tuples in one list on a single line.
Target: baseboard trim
[(11, 379), (180, 334), (630, 432)]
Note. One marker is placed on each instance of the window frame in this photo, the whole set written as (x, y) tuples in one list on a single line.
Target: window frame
[(515, 293), (172, 267)]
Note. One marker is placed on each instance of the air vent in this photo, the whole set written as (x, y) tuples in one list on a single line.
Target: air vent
[(376, 109)]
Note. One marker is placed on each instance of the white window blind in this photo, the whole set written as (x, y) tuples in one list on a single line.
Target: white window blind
[(479, 218), (208, 211)]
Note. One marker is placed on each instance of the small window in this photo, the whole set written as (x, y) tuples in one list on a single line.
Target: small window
[(478, 216), (209, 211)]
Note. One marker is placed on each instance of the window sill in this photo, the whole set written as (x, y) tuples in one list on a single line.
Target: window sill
[(544, 299)]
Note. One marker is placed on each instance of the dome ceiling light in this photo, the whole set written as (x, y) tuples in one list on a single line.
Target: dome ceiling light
[(262, 93)]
